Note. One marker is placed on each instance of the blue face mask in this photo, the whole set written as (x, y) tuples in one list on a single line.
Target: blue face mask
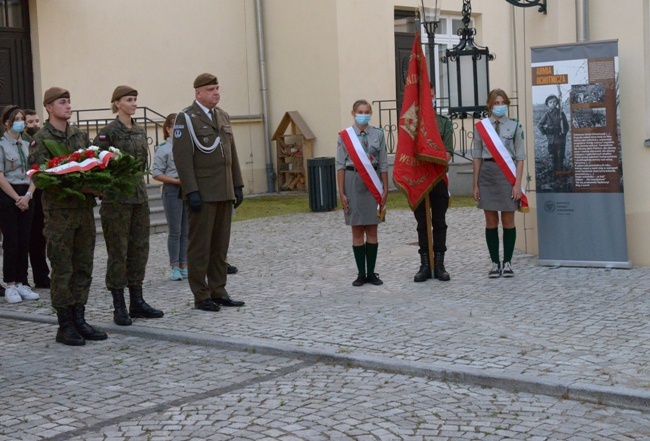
[(18, 126), (362, 119), (499, 110)]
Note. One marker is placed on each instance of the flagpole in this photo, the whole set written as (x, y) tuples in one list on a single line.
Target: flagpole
[(427, 207)]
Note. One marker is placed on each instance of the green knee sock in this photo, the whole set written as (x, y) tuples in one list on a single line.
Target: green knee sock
[(371, 256), (492, 239), (509, 238), (360, 258)]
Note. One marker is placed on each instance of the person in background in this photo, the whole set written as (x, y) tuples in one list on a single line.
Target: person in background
[(164, 170), (492, 190), (16, 209), (362, 148), (69, 227), (439, 202), (32, 122), (37, 244), (125, 220)]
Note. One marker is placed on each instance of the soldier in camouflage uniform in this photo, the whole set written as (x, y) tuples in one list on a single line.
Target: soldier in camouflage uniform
[(125, 220), (69, 227)]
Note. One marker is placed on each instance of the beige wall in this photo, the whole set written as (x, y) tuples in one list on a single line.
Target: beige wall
[(322, 55)]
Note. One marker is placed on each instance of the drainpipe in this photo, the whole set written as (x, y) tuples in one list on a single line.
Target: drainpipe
[(582, 20), (270, 174)]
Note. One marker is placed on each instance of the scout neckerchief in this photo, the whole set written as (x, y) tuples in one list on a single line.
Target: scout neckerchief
[(196, 143), (359, 157), (501, 156)]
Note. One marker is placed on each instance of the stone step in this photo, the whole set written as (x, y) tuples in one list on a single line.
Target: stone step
[(158, 222)]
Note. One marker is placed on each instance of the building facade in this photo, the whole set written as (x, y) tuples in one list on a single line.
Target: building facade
[(320, 56)]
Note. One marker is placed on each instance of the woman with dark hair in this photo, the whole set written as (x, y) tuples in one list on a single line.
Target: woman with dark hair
[(362, 177), (499, 141), (164, 170), (16, 209), (125, 220)]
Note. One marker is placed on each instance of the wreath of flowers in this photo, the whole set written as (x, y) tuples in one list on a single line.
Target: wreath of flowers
[(104, 173)]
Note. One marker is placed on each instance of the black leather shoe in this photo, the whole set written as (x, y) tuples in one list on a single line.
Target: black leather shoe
[(374, 279), (227, 301), (207, 305), (359, 281), (232, 269)]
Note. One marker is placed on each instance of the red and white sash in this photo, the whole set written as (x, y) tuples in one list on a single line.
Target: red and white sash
[(501, 156), (361, 161)]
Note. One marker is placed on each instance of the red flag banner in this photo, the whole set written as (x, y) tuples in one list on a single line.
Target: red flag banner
[(421, 158)]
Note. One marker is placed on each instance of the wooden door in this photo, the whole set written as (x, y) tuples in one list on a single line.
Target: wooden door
[(16, 74)]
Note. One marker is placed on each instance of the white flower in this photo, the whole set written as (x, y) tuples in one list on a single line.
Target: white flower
[(94, 148)]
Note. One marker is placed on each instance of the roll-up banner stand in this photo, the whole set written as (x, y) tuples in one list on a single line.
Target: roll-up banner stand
[(578, 163)]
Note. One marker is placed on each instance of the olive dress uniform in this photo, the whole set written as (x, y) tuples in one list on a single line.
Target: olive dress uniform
[(70, 235), (439, 202), (125, 222), (215, 176)]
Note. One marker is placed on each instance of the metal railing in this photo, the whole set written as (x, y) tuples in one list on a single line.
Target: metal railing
[(463, 129), (149, 119)]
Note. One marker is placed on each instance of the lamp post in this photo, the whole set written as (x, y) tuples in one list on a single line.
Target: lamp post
[(430, 27), (468, 74)]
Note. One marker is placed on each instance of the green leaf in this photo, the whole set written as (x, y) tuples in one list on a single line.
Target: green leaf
[(55, 148)]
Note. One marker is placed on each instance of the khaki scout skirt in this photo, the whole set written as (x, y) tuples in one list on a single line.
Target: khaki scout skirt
[(496, 191), (362, 205)]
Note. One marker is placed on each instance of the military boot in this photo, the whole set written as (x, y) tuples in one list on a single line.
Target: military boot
[(424, 272), (86, 331), (120, 314), (139, 308), (67, 332), (439, 271)]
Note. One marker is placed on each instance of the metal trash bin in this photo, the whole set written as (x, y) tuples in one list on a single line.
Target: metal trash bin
[(321, 179)]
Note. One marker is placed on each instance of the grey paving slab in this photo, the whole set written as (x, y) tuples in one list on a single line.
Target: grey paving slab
[(582, 328)]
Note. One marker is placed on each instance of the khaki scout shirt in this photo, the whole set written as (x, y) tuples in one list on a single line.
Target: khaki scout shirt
[(11, 161), (376, 150), (132, 141), (512, 135), (74, 139), (216, 174)]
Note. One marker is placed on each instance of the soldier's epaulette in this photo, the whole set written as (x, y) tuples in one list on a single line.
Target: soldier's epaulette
[(187, 109)]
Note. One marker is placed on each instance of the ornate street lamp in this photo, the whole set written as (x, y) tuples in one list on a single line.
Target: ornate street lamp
[(468, 73), (430, 27)]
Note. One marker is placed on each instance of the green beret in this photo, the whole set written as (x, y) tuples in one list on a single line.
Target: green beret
[(205, 79), (53, 94), (121, 91)]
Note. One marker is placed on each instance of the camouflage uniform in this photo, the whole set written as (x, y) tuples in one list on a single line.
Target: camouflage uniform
[(125, 221), (69, 225)]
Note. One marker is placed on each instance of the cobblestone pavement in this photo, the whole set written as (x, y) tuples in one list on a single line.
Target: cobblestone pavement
[(311, 357)]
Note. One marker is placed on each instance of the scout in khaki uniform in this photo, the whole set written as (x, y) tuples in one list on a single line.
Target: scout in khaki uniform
[(69, 227), (208, 168), (125, 220)]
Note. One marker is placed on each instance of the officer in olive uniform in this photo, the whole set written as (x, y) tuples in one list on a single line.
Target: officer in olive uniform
[(125, 220), (208, 168), (439, 202), (69, 227)]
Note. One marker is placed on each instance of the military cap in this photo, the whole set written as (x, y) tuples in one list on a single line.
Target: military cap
[(205, 79), (53, 94), (121, 91)]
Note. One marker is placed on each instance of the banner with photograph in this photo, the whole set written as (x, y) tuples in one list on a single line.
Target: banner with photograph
[(578, 165)]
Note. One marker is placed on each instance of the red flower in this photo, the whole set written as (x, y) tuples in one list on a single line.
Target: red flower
[(75, 156), (89, 154), (35, 167), (53, 162)]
